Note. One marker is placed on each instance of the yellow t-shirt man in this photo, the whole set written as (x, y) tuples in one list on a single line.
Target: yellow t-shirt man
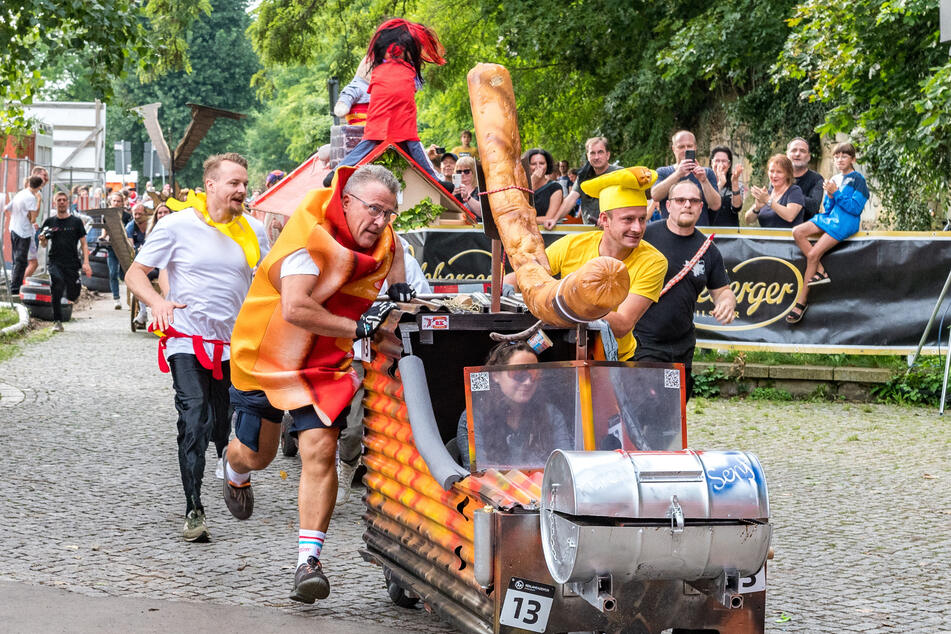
[(646, 266)]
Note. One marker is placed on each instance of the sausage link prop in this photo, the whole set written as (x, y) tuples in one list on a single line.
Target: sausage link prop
[(589, 293)]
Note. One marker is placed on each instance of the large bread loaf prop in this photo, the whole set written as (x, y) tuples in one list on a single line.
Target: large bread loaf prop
[(589, 293)]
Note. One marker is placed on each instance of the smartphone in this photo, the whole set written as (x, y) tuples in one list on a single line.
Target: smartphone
[(690, 155), (457, 179), (440, 150)]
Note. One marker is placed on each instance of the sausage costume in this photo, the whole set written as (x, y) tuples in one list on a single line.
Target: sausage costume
[(589, 293), (294, 367)]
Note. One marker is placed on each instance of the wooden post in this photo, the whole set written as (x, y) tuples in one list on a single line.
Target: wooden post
[(496, 276)]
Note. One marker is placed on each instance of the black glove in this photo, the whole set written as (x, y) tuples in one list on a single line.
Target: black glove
[(371, 320), (401, 292)]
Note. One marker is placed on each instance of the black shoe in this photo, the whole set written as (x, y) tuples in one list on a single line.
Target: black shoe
[(239, 498), (310, 583), (328, 180)]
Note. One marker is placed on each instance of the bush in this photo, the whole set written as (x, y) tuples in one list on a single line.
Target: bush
[(919, 386), (707, 383)]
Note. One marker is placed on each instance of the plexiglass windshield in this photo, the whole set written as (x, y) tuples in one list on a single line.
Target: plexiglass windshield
[(518, 414)]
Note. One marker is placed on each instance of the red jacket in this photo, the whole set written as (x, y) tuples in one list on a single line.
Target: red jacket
[(392, 112)]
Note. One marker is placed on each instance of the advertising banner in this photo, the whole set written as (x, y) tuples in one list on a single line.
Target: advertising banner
[(884, 287)]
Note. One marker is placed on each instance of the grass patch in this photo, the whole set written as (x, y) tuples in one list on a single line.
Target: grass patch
[(894, 362), (8, 316), (770, 394), (11, 345)]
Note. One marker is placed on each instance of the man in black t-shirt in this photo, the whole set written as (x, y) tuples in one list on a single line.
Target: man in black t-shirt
[(665, 333), (63, 233), (809, 182)]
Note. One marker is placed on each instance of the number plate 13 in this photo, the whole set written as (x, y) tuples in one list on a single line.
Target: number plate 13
[(527, 605)]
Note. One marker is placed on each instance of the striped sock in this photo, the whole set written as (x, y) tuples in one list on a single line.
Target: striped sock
[(309, 544)]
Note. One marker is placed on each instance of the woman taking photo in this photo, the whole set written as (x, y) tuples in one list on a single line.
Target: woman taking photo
[(781, 204), (540, 166), (466, 190), (730, 186)]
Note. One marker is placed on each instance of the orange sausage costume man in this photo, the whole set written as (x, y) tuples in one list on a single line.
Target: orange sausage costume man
[(292, 347)]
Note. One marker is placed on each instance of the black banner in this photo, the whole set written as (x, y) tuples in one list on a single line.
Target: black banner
[(884, 287)]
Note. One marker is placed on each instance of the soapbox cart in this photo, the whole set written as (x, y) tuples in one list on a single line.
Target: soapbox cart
[(623, 530)]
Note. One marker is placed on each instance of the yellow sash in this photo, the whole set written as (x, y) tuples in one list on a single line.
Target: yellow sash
[(237, 229)]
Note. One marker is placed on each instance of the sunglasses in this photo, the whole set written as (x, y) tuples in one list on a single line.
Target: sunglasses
[(463, 171), (522, 376)]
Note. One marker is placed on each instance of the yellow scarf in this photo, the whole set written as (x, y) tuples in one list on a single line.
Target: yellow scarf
[(237, 229)]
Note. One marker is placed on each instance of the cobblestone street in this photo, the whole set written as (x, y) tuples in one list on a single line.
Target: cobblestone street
[(91, 499)]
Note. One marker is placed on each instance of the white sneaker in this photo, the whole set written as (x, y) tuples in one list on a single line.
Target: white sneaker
[(344, 478), (220, 469), (118, 304)]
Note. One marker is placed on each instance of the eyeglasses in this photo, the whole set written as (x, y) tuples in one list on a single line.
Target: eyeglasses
[(683, 202), (463, 171), (375, 210), (522, 376)]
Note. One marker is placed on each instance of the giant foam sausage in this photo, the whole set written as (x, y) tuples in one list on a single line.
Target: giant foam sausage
[(589, 293)]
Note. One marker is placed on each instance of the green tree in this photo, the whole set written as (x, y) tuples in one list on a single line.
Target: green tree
[(634, 71), (878, 69), (294, 121), (223, 63), (107, 34)]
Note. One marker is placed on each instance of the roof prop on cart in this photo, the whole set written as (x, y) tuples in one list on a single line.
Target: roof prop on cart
[(202, 119), (284, 197)]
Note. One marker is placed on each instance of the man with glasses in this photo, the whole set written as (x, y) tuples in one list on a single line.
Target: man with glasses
[(665, 332), (292, 346), (684, 146), (623, 217)]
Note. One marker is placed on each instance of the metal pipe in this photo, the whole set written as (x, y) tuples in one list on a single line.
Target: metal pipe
[(423, 421), (934, 313), (947, 368), (482, 546)]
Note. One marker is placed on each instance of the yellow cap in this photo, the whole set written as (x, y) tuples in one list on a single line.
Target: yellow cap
[(625, 187)]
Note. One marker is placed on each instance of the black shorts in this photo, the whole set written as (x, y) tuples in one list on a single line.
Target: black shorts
[(252, 406)]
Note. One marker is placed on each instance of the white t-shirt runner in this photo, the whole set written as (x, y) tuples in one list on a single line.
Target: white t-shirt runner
[(20, 207), (207, 272)]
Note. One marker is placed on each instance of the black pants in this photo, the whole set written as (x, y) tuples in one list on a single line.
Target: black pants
[(679, 352), (20, 254), (202, 404), (63, 279)]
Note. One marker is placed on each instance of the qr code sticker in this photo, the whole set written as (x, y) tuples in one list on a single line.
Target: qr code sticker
[(672, 379), (479, 382)]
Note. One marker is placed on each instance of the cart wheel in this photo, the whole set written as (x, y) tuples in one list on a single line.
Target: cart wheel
[(288, 442), (398, 595)]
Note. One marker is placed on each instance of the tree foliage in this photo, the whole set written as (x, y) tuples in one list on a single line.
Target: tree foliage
[(878, 68), (223, 63), (111, 37), (633, 71)]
